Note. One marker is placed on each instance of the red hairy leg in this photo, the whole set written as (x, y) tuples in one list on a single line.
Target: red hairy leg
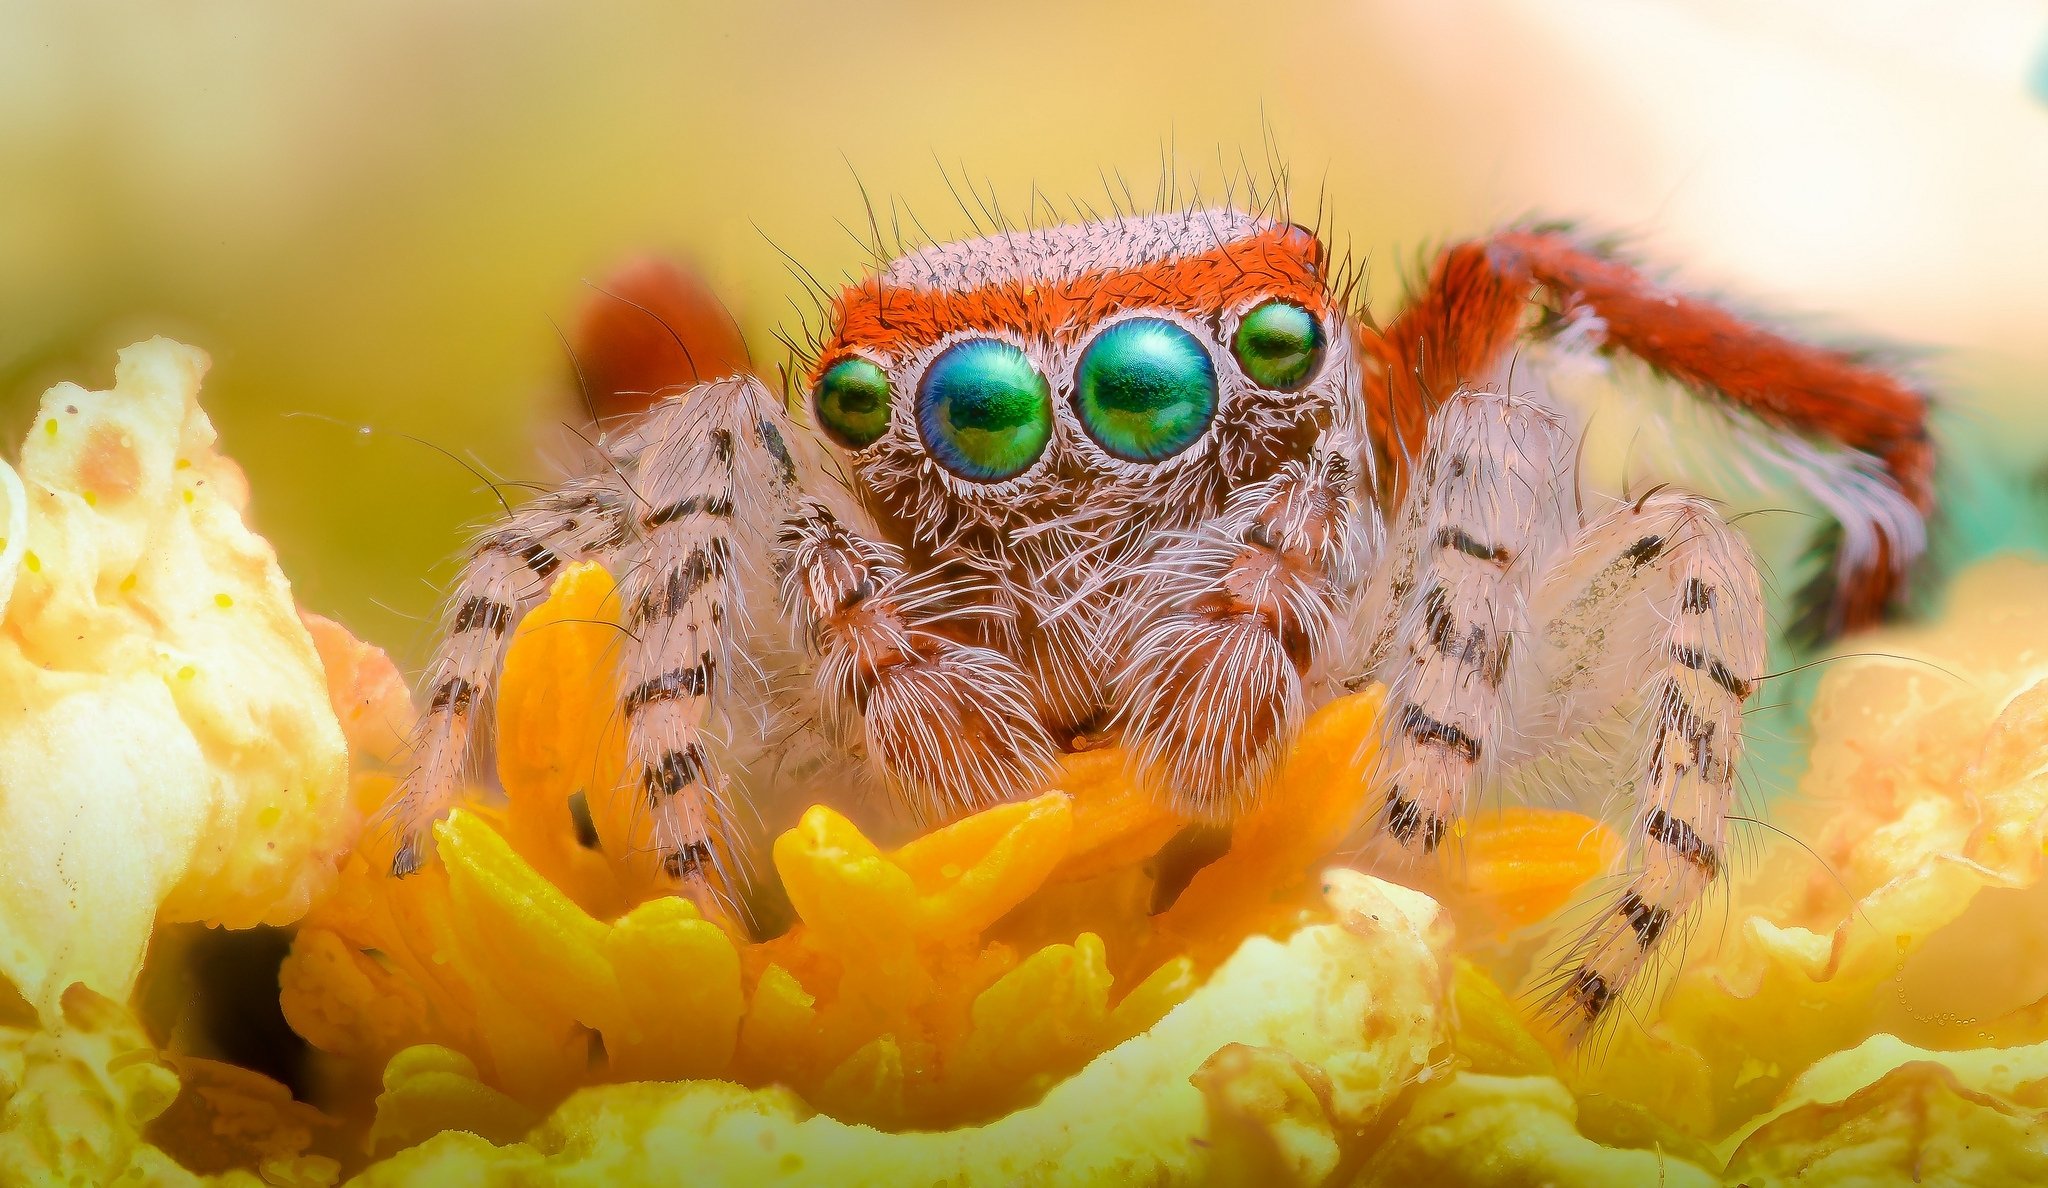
[(1468, 315)]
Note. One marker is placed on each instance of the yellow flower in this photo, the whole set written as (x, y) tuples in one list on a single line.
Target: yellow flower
[(1002, 971), (997, 1001), (167, 748)]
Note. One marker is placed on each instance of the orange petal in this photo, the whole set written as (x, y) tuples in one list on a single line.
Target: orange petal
[(679, 982), (1116, 822), (559, 735), (1522, 864), (538, 946), (1309, 809), (972, 872), (853, 901)]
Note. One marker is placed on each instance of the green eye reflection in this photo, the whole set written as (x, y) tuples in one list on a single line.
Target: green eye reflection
[(1145, 390), (1278, 345), (984, 411), (853, 402)]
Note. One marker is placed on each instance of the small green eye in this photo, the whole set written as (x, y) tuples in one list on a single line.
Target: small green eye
[(853, 402), (1145, 390), (1278, 345), (984, 411)]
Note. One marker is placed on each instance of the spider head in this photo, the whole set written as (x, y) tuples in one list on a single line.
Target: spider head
[(1132, 370)]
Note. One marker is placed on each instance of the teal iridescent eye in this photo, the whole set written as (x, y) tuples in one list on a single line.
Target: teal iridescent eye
[(853, 402), (1145, 390), (1278, 345), (984, 410)]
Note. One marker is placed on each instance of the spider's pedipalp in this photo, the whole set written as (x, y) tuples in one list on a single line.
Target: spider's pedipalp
[(508, 574), (1657, 610), (1227, 626), (947, 726), (1483, 513)]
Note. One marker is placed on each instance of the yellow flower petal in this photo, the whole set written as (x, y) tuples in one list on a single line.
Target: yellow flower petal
[(545, 947), (1310, 807), (428, 1090), (970, 873), (1357, 1002), (134, 793), (678, 977), (560, 735)]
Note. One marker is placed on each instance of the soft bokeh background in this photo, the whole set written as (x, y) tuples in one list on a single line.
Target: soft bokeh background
[(371, 213)]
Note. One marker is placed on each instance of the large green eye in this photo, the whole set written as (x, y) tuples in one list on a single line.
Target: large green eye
[(1278, 345), (853, 402), (1145, 390), (984, 411)]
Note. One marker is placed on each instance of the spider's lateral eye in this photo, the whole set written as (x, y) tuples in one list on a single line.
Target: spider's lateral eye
[(852, 399), (1279, 344), (984, 411), (1145, 389)]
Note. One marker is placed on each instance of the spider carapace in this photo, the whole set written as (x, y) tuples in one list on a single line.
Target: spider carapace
[(1150, 478)]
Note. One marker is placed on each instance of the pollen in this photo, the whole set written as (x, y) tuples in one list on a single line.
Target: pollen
[(223, 600)]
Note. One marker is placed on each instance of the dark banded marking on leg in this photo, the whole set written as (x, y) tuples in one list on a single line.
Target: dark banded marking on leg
[(1471, 649), (705, 564), (1405, 820), (1679, 835), (488, 613), (1718, 672), (1427, 731), (771, 440), (1471, 546), (540, 559), (455, 695), (1643, 551), (1491, 494), (1646, 920), (674, 771), (1698, 597), (508, 573), (693, 681), (687, 862), (1591, 992), (715, 506)]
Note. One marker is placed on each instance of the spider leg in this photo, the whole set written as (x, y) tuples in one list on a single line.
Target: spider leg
[(1228, 627), (1657, 609), (947, 726), (1483, 514), (1471, 312), (508, 574), (715, 477)]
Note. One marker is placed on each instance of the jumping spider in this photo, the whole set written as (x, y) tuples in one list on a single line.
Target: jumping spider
[(1128, 477)]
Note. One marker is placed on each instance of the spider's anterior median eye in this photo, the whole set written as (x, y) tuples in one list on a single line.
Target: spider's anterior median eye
[(1278, 345), (1145, 390), (984, 410), (853, 402)]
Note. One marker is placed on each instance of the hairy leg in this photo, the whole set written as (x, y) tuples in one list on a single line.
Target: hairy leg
[(1485, 511), (713, 481), (1228, 626), (1461, 326), (508, 573), (947, 726), (1657, 608)]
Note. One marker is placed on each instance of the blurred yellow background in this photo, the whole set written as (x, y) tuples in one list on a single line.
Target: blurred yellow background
[(371, 212)]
